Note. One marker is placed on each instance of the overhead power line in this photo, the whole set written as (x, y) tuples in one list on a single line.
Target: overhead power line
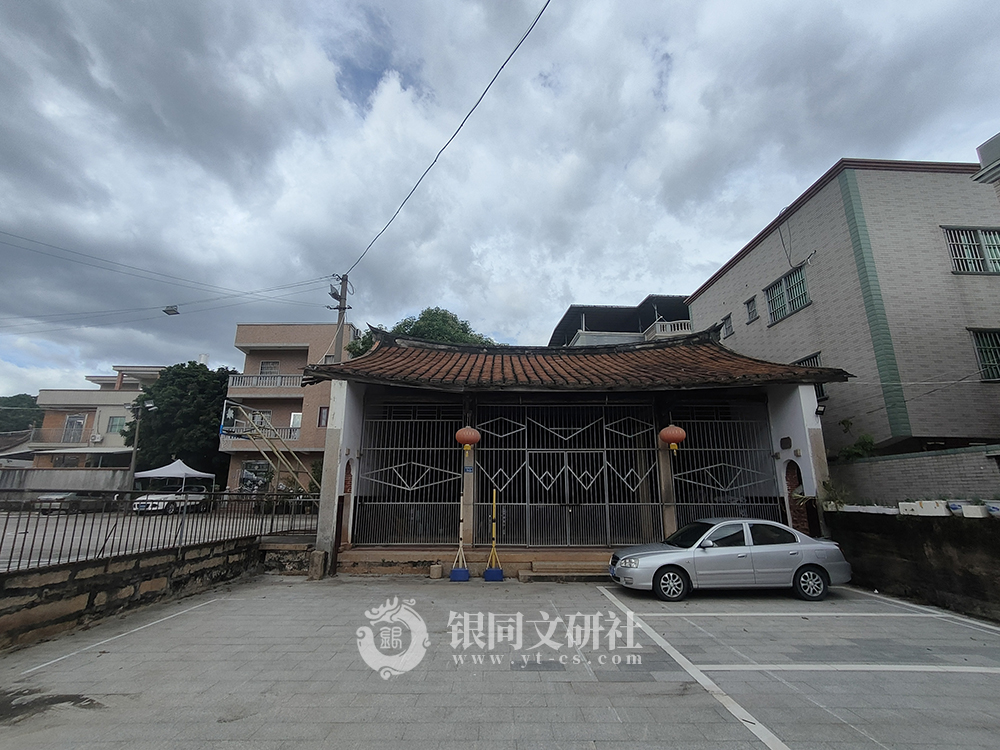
[(138, 272), (453, 135)]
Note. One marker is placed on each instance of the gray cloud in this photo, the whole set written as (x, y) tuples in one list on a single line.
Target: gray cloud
[(627, 149)]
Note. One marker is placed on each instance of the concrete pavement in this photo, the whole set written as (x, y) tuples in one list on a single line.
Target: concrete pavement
[(276, 663)]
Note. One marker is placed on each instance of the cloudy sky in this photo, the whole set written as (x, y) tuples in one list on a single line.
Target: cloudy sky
[(226, 157)]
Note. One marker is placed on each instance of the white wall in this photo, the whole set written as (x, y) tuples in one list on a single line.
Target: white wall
[(792, 413)]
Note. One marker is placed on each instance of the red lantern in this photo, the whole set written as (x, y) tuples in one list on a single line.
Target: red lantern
[(468, 436), (672, 435)]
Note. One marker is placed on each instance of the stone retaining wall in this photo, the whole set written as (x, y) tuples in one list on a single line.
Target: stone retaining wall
[(946, 561), (36, 604)]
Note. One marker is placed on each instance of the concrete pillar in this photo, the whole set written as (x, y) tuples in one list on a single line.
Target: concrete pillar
[(468, 495), (667, 498), (326, 531)]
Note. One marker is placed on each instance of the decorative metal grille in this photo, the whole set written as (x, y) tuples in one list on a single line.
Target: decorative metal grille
[(787, 295), (988, 351), (409, 486), (974, 250), (580, 475), (724, 467)]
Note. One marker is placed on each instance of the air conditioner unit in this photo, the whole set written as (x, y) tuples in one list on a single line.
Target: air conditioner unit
[(96, 437)]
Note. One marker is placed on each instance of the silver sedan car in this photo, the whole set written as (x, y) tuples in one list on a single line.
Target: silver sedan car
[(716, 553)]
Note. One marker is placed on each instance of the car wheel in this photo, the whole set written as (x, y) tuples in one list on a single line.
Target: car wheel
[(203, 507), (671, 584), (810, 584), (74, 508), (171, 508)]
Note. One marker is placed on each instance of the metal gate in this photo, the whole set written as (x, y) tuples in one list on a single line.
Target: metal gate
[(725, 467), (581, 475), (409, 484)]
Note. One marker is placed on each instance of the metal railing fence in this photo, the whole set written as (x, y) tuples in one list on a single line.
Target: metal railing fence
[(584, 525), (33, 536), (377, 522)]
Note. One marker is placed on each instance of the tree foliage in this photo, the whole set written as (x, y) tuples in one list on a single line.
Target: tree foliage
[(185, 423), (433, 324), (19, 412)]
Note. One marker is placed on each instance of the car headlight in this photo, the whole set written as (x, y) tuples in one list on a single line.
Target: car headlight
[(628, 562)]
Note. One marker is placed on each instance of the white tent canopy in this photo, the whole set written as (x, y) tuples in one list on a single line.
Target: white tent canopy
[(177, 470)]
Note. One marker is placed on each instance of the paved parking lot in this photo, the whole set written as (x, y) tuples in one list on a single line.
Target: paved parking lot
[(276, 663)]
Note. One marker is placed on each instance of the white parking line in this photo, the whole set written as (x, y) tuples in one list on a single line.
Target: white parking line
[(790, 686), (958, 619), (806, 615), (116, 637), (764, 734), (846, 668)]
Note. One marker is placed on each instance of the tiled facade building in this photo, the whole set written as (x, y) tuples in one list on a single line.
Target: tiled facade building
[(889, 270), (270, 390)]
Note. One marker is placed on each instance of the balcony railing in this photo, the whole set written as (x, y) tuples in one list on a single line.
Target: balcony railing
[(265, 381), (60, 436), (244, 433), (666, 328)]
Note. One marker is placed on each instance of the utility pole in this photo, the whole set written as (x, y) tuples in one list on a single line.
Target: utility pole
[(329, 497), (137, 412), (342, 307)]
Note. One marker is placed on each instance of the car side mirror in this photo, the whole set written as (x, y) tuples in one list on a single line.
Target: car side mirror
[(707, 543)]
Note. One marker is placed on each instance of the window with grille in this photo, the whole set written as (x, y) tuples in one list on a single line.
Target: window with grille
[(787, 295), (974, 250), (988, 352), (727, 326), (814, 361), (270, 367), (751, 305)]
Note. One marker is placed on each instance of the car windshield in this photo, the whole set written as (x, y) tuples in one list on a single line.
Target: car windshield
[(688, 535)]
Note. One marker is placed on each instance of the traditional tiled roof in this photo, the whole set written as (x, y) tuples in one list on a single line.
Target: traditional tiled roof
[(696, 361)]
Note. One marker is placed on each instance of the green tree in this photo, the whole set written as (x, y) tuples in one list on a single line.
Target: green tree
[(19, 412), (433, 324), (185, 423)]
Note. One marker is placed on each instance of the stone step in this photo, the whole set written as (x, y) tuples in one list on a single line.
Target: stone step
[(570, 566)]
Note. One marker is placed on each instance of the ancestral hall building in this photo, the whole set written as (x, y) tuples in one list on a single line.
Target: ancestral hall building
[(569, 441)]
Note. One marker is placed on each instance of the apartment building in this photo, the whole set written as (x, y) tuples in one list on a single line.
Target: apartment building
[(81, 427), (79, 445), (889, 270), (275, 412)]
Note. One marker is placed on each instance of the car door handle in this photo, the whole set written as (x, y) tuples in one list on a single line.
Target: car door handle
[(794, 552), (742, 555)]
